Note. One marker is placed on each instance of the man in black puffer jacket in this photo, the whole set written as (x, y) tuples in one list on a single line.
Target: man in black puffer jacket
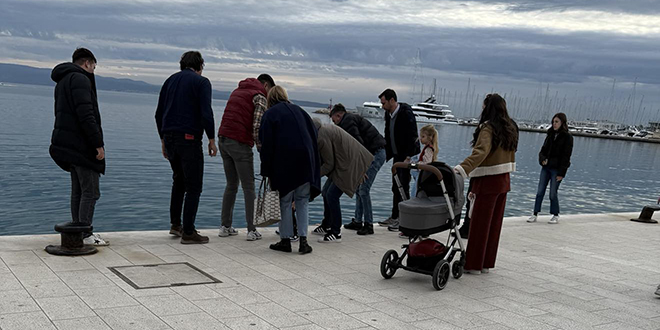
[(363, 131), (77, 140)]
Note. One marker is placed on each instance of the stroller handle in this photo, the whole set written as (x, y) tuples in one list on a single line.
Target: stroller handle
[(422, 167)]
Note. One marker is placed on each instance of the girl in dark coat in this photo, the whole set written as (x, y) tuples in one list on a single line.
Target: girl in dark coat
[(290, 159), (555, 159)]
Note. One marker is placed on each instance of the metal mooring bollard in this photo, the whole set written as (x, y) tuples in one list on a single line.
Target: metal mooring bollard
[(72, 240), (647, 213)]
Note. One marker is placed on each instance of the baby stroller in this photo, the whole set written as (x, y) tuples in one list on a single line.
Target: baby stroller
[(435, 207)]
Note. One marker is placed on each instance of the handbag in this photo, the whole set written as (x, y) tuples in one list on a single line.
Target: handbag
[(267, 206)]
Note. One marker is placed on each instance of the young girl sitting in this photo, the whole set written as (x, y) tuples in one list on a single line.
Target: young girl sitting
[(428, 137)]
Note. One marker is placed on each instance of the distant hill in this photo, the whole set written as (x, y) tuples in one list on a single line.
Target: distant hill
[(22, 74)]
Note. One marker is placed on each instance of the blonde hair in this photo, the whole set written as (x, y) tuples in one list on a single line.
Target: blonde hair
[(276, 95), (433, 134)]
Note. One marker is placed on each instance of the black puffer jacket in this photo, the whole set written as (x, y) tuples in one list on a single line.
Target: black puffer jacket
[(77, 131), (557, 149), (363, 131)]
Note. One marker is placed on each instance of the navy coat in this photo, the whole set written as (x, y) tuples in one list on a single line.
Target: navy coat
[(289, 150)]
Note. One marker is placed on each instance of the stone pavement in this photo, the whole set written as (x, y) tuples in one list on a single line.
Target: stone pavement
[(588, 272)]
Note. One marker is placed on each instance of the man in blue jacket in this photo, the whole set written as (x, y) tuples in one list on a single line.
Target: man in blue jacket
[(401, 141), (77, 140), (184, 113)]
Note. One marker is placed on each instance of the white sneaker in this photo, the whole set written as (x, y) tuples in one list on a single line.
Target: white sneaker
[(253, 235), (95, 240), (554, 219), (532, 219), (227, 231)]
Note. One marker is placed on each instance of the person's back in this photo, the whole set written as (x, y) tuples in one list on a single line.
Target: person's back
[(363, 131), (183, 115), (237, 120), (290, 154), (182, 97), (349, 160)]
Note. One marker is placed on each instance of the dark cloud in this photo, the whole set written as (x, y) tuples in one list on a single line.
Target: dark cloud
[(615, 6), (141, 31)]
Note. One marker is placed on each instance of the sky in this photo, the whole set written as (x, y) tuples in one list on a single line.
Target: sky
[(596, 60)]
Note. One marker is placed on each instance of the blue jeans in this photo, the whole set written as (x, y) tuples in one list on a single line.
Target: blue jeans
[(362, 197), (331, 207), (414, 176), (301, 196), (548, 175)]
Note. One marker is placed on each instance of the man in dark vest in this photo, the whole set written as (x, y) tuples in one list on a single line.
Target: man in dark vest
[(401, 141), (183, 115), (77, 140), (363, 131), (239, 130)]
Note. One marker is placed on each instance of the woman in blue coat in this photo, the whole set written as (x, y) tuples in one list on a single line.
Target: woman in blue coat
[(290, 159)]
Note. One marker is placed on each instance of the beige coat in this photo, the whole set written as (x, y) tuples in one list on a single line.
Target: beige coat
[(343, 159), (485, 160)]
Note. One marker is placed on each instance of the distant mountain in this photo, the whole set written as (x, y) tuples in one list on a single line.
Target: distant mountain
[(21, 74)]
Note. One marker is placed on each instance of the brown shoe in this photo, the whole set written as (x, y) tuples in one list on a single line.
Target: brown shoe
[(176, 230), (194, 238)]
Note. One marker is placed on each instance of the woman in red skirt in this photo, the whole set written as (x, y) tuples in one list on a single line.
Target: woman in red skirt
[(494, 147)]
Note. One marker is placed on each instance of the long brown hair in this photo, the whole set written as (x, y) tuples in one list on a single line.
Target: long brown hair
[(505, 130)]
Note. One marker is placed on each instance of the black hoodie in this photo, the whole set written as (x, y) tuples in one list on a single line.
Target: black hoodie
[(77, 132)]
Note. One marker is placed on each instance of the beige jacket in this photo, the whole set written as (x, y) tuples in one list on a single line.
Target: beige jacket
[(343, 159), (485, 160)]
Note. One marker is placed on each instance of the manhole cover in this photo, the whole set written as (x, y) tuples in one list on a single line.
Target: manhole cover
[(163, 275)]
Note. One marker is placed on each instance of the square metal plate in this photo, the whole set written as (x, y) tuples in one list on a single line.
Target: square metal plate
[(163, 275)]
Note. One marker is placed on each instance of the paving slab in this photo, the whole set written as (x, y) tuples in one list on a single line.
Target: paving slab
[(573, 275)]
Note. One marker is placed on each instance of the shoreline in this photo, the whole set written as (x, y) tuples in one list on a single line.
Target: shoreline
[(598, 136)]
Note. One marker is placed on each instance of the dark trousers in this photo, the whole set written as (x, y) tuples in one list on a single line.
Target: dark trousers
[(84, 194), (404, 177), (331, 207), (486, 221), (187, 161)]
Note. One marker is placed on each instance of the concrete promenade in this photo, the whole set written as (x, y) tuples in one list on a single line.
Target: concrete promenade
[(588, 272)]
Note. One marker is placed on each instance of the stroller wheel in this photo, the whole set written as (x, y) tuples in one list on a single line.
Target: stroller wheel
[(388, 265), (441, 275), (457, 269)]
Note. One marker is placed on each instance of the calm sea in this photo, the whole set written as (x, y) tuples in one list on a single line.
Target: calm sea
[(606, 175)]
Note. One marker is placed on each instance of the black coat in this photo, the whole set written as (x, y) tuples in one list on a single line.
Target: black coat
[(557, 151), (289, 149), (363, 131), (405, 132), (77, 132)]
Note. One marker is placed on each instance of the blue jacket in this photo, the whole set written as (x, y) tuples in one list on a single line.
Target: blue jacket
[(184, 105), (289, 149)]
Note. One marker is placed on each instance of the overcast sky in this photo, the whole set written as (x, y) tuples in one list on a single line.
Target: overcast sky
[(352, 50)]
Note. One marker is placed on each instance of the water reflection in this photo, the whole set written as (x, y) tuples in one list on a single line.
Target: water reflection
[(606, 175)]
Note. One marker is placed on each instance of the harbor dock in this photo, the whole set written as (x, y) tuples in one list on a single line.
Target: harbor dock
[(596, 271)]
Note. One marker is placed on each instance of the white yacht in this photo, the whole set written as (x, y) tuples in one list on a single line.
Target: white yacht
[(370, 110), (433, 113)]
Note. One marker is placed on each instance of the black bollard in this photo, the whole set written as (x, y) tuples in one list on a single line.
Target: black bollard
[(647, 213), (72, 240)]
